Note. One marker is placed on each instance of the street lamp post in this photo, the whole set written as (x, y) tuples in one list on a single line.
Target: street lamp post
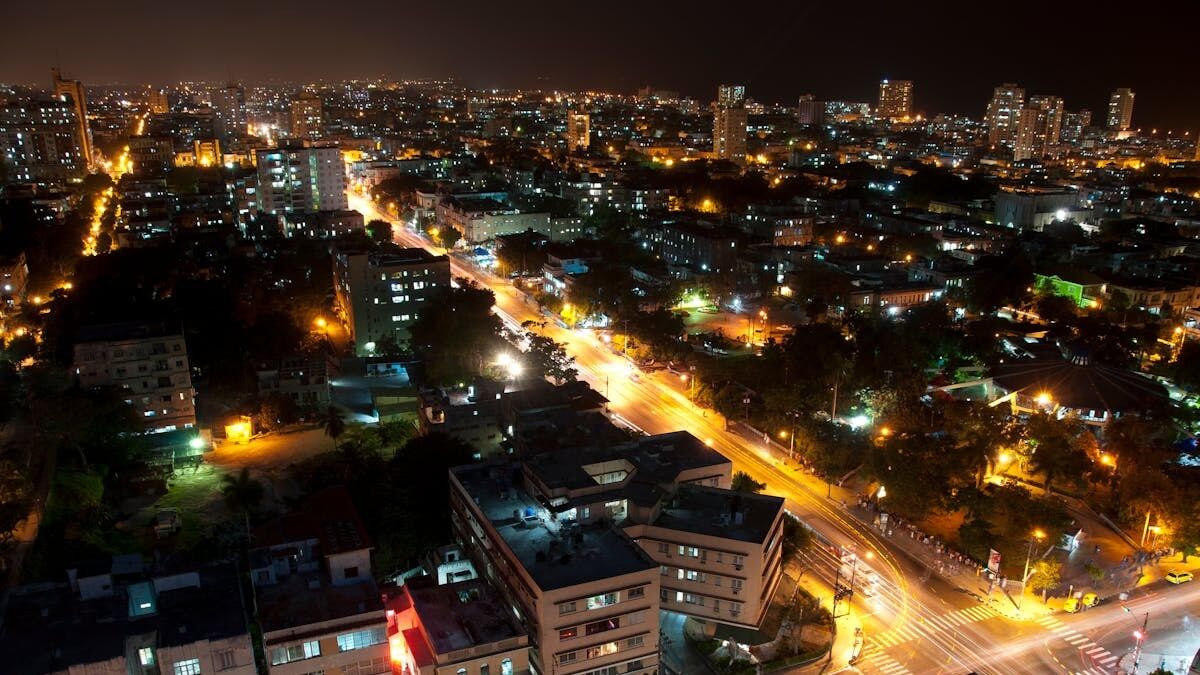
[(1037, 536)]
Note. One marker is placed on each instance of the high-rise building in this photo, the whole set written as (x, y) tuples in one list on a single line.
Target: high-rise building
[(729, 123), (1074, 125), (39, 141), (229, 110), (810, 110), (73, 92), (380, 294), (579, 131), (1039, 125), (307, 116), (157, 101), (895, 99), (1002, 112), (1120, 109), (148, 361), (299, 177)]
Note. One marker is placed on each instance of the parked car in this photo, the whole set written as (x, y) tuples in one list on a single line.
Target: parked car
[(1090, 599), (1179, 576), (1071, 605)]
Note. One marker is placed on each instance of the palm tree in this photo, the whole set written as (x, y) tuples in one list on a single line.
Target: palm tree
[(241, 493), (334, 425)]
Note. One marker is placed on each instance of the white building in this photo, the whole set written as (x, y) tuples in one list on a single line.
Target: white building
[(149, 362), (301, 177)]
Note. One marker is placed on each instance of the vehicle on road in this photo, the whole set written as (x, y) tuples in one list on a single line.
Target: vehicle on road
[(1179, 576), (1090, 599), (1071, 605)]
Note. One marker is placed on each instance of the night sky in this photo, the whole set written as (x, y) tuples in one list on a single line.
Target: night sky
[(954, 51)]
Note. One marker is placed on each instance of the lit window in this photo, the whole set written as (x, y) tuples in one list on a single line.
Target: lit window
[(146, 656), (597, 601), (361, 638), (188, 667)]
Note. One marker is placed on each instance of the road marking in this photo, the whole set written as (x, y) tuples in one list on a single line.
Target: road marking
[(1095, 649), (1077, 640), (1109, 660)]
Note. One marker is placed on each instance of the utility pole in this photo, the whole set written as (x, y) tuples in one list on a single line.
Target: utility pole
[(833, 405), (1140, 636)]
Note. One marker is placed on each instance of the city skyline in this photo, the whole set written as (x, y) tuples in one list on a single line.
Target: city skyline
[(785, 53)]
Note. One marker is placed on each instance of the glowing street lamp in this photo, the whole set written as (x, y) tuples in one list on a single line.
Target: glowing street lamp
[(1038, 535), (1043, 398)]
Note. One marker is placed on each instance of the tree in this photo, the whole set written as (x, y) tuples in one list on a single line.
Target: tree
[(547, 358), (796, 536), (1045, 576), (743, 482), (334, 425), (458, 334), (1056, 450), (241, 493), (379, 230)]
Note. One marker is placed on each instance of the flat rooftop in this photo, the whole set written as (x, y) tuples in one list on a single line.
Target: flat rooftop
[(308, 598), (461, 615), (712, 511), (555, 553), (48, 628), (656, 460)]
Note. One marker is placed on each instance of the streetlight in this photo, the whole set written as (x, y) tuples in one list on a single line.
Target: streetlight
[(1038, 535), (691, 382)]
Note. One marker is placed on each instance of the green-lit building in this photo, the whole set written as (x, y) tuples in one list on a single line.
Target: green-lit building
[(1081, 286)]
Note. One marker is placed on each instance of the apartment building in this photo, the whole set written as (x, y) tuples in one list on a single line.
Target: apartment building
[(303, 379), (115, 618), (301, 176), (149, 362), (719, 553), (461, 628), (318, 604), (379, 294), (40, 143), (699, 246), (598, 539), (586, 593)]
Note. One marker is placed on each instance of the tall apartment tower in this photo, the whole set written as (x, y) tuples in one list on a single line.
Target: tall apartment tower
[(729, 123), (579, 131), (301, 177), (74, 93), (1002, 113), (1120, 109), (229, 108), (307, 116), (1039, 126), (39, 141), (895, 99), (157, 101)]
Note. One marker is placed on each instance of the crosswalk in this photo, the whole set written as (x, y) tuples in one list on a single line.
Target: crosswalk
[(878, 661), (932, 625), (1105, 660)]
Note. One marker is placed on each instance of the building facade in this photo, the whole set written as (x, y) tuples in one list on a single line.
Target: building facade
[(730, 118), (895, 99), (72, 92), (308, 116), (1120, 109), (379, 295), (1002, 112), (40, 142), (146, 360), (301, 177), (229, 110), (579, 131)]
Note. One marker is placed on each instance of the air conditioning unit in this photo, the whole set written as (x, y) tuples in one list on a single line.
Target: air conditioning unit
[(737, 567)]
